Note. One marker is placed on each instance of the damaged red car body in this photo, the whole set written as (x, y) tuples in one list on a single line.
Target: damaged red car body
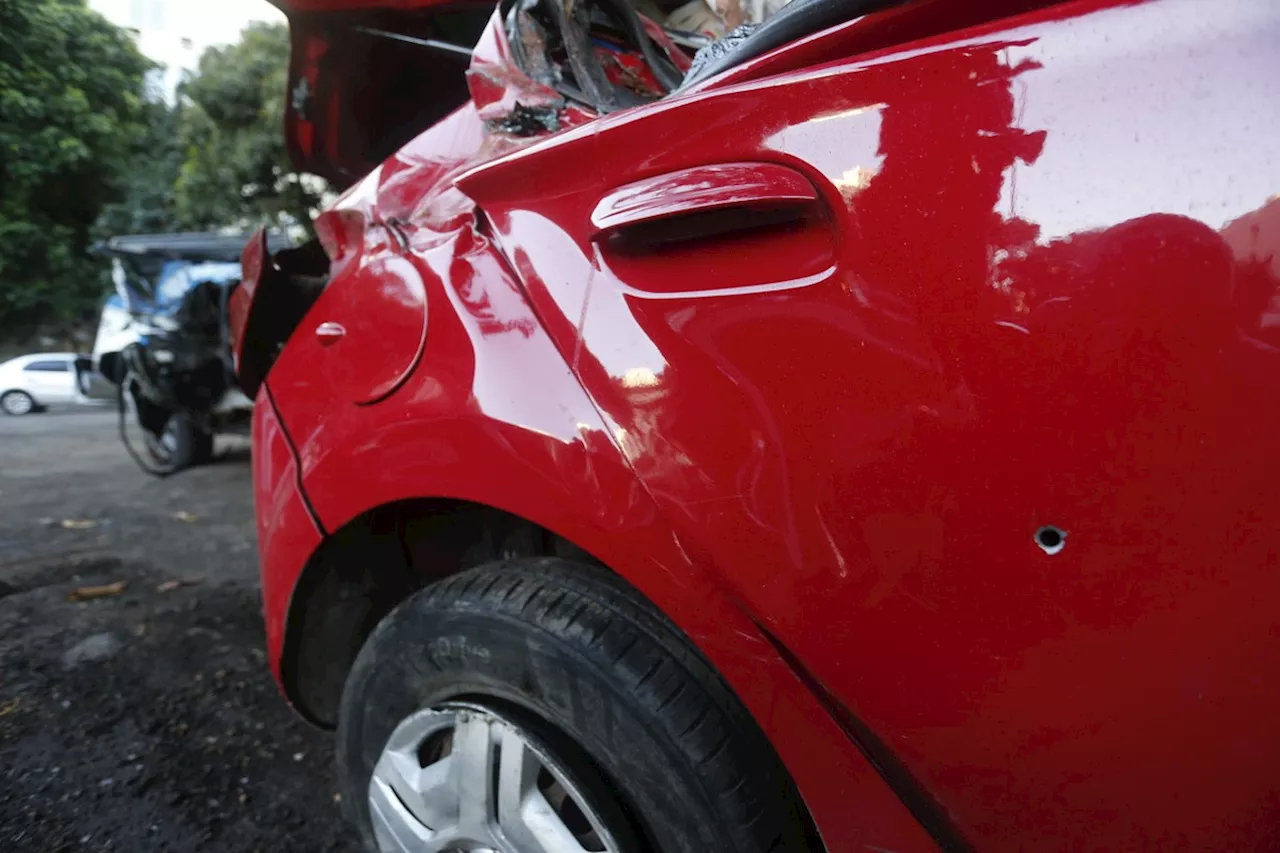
[(914, 366)]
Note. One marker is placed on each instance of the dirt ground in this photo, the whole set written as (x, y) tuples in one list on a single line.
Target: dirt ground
[(144, 720)]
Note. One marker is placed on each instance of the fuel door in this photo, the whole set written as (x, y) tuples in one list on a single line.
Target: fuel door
[(371, 332), (364, 334)]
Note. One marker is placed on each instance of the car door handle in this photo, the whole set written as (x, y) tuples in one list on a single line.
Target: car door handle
[(330, 333), (766, 191)]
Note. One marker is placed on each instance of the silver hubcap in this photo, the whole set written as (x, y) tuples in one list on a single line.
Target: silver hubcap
[(17, 404), (459, 779)]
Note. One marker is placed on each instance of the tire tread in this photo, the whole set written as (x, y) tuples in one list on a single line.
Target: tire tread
[(622, 635)]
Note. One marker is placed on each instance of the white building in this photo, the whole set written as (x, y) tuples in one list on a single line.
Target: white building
[(175, 32)]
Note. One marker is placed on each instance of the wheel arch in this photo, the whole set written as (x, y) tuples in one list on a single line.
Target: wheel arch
[(497, 488), (338, 599), (365, 568)]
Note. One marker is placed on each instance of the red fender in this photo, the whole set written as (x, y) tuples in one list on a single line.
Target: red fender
[(467, 425)]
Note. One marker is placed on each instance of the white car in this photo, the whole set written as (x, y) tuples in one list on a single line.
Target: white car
[(30, 383)]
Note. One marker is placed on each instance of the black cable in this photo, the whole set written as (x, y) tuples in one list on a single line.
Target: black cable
[(127, 382)]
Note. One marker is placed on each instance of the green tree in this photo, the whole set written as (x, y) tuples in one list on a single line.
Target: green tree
[(147, 204), (235, 169), (72, 106)]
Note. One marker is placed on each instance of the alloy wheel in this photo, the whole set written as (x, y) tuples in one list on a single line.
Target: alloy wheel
[(17, 403)]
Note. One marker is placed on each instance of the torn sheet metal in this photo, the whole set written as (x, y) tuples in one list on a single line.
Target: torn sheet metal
[(602, 54), (508, 98), (606, 54), (527, 121), (717, 49)]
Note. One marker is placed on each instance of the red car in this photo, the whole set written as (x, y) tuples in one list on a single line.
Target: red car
[(863, 436)]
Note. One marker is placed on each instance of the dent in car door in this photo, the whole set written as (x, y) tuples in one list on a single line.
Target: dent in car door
[(1004, 314)]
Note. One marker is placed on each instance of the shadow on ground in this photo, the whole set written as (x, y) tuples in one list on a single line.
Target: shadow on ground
[(145, 719)]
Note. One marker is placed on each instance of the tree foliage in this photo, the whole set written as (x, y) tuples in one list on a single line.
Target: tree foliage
[(235, 169), (72, 107), (87, 152), (146, 203)]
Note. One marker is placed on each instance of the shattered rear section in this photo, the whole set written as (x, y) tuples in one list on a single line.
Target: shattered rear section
[(511, 102), (600, 53)]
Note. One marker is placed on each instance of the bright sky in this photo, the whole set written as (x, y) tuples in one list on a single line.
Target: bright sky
[(175, 32)]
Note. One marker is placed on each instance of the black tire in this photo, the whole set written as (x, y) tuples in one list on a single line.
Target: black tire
[(573, 647), (160, 441), (191, 444), (18, 403)]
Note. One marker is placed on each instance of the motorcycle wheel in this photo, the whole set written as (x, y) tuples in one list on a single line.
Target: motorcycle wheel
[(161, 442)]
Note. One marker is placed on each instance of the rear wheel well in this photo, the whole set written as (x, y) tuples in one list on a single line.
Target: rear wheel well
[(362, 571)]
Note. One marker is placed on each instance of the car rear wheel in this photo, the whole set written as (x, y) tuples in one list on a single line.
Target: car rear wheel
[(537, 706), (17, 403)]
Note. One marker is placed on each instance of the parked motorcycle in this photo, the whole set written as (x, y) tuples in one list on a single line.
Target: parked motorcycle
[(163, 342)]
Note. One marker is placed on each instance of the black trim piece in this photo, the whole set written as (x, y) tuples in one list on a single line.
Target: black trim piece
[(792, 22), (924, 808), (297, 461)]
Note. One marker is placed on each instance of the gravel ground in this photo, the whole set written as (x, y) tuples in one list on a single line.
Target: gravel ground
[(143, 720)]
